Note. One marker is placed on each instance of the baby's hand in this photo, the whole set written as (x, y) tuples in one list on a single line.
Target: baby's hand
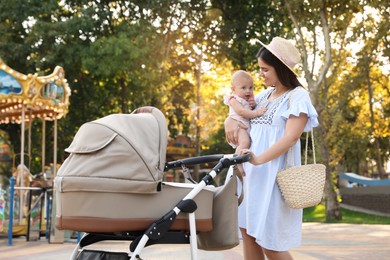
[(261, 111), (252, 102)]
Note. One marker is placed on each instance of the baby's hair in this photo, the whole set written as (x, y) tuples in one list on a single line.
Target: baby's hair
[(240, 74)]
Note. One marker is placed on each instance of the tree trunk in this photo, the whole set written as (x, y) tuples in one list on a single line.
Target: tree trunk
[(198, 101), (331, 202), (316, 86)]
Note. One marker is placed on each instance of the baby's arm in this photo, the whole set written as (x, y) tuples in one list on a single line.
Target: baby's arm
[(246, 113)]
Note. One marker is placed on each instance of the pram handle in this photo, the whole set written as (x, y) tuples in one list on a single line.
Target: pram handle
[(232, 159)]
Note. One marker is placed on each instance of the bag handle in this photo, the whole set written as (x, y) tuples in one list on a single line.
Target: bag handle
[(291, 150), (312, 146), (237, 173)]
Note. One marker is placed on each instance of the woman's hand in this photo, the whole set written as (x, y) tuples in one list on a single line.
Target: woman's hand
[(231, 130), (253, 156)]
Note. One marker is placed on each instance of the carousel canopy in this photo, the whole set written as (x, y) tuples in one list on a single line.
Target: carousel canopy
[(45, 97)]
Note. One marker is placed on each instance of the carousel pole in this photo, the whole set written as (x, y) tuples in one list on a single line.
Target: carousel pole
[(47, 196), (43, 148), (55, 148), (21, 179), (29, 139), (56, 235)]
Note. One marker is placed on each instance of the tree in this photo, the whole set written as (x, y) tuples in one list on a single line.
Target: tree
[(372, 32), (323, 29), (16, 21), (243, 23), (179, 56), (119, 62), (326, 18), (102, 48)]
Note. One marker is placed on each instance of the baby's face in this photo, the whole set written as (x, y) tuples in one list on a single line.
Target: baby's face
[(243, 88)]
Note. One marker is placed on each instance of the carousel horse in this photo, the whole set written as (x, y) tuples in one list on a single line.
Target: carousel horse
[(26, 178), (23, 178)]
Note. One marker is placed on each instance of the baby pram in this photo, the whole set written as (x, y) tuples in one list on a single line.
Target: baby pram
[(111, 187)]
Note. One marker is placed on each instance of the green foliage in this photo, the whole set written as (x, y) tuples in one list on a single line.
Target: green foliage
[(120, 55), (243, 23), (317, 214), (348, 116), (215, 146)]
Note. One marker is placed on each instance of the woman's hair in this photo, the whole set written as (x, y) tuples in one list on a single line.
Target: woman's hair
[(285, 75)]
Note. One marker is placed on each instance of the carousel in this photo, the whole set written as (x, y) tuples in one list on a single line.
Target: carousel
[(23, 99)]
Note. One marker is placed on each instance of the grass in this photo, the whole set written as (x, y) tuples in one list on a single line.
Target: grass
[(317, 214)]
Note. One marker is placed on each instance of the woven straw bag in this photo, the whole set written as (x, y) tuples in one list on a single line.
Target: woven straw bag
[(302, 186)]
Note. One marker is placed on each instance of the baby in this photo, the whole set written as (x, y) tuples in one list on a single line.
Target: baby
[(241, 107)]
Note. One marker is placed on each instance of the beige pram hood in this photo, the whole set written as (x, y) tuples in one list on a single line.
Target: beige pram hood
[(122, 153)]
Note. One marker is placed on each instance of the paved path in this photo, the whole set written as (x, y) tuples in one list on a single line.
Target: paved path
[(320, 241)]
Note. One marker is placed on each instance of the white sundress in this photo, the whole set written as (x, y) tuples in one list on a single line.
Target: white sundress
[(263, 213)]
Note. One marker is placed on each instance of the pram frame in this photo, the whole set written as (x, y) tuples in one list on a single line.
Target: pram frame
[(158, 229)]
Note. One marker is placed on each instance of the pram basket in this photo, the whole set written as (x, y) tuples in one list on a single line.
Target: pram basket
[(138, 205)]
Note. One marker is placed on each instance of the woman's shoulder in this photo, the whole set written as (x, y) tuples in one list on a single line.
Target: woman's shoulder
[(301, 90), (300, 93)]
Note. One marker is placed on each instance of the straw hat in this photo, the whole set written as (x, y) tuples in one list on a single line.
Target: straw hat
[(285, 51)]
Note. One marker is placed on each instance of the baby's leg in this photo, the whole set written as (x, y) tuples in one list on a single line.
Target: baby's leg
[(244, 142)]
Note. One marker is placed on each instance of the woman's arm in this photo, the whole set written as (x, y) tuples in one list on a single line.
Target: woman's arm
[(231, 130), (294, 130)]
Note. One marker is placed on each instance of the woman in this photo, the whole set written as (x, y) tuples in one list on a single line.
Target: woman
[(268, 226)]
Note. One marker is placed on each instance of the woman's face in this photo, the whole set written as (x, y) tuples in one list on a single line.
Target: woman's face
[(268, 73)]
